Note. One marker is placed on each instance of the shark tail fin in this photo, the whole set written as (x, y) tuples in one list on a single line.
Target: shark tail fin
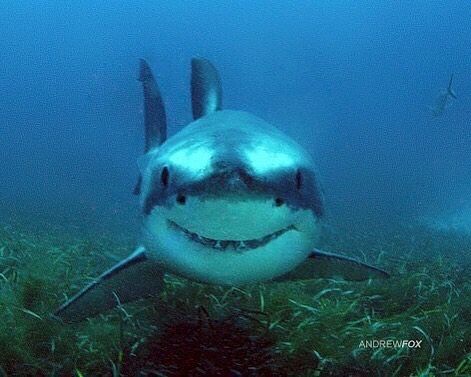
[(449, 90), (133, 278)]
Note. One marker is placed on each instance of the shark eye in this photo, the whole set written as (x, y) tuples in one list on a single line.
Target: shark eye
[(164, 176), (181, 199), (299, 180), (279, 202)]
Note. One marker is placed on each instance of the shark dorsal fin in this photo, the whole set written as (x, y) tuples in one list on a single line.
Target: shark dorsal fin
[(155, 119), (206, 91)]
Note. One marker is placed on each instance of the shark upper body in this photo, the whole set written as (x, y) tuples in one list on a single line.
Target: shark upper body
[(228, 200), (443, 99)]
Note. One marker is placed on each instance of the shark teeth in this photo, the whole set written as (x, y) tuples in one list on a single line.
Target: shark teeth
[(231, 245)]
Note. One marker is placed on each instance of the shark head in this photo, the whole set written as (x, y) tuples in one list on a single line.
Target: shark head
[(230, 200)]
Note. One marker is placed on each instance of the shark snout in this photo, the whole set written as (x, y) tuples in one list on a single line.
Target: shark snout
[(232, 177)]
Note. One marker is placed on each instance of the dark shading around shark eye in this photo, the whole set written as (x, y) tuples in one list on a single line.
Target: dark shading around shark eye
[(181, 199), (165, 176), (299, 180), (279, 202)]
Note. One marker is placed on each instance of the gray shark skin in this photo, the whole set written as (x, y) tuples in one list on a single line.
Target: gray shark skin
[(228, 200)]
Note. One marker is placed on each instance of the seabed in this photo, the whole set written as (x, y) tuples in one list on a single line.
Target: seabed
[(310, 328)]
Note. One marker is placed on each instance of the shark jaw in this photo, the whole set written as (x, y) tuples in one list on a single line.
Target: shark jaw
[(231, 245), (229, 242)]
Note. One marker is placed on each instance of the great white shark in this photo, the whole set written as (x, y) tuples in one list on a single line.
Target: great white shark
[(228, 200)]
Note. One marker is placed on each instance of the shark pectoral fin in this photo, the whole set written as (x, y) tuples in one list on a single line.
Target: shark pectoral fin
[(133, 278), (206, 90), (327, 265)]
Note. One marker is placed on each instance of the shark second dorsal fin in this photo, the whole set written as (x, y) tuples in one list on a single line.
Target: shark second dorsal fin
[(206, 90), (155, 119)]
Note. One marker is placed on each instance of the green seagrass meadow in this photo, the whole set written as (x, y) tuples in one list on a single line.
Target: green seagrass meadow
[(309, 328)]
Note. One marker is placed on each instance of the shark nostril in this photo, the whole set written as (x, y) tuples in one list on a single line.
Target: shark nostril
[(181, 199), (279, 202)]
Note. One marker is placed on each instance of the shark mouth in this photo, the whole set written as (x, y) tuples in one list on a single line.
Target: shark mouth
[(232, 245)]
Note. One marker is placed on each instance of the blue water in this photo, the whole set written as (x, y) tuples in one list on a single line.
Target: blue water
[(351, 81)]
